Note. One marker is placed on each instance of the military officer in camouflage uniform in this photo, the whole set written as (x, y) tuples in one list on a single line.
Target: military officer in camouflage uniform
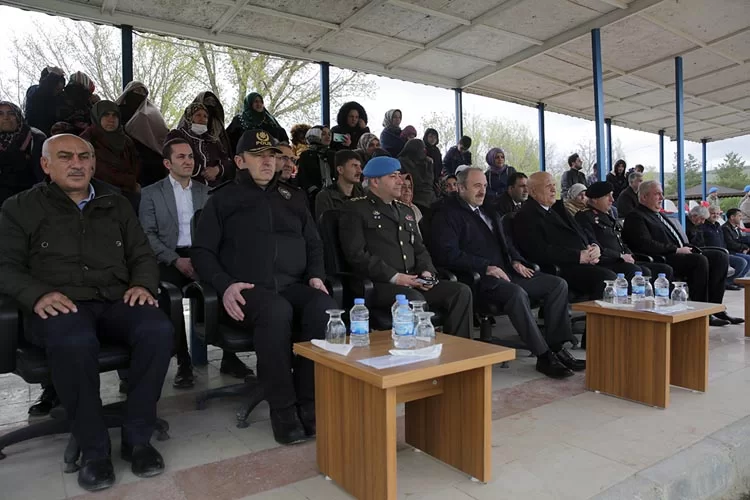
[(597, 220), (380, 240)]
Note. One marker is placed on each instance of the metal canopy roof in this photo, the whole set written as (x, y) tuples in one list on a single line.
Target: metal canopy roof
[(525, 51)]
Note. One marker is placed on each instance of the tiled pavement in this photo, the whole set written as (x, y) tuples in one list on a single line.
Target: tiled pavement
[(551, 440)]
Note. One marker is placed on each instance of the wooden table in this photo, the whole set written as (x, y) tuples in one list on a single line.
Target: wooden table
[(448, 411), (637, 355), (745, 282)]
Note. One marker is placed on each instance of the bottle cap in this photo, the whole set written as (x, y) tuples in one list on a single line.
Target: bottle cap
[(402, 301), (400, 296), (638, 273), (359, 302), (662, 275), (620, 275)]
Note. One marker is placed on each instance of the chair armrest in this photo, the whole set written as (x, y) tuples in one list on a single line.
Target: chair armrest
[(446, 275), (552, 269), (170, 301), (715, 248), (639, 257), (207, 308), (335, 289), (10, 324), (359, 287)]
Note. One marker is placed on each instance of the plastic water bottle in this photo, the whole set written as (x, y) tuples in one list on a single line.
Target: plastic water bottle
[(621, 289), (638, 285), (661, 290), (403, 325), (393, 312), (359, 321)]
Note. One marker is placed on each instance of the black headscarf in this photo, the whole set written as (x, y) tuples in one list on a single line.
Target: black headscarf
[(115, 139), (12, 141)]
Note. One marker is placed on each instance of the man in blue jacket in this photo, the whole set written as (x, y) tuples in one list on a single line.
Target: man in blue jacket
[(466, 237)]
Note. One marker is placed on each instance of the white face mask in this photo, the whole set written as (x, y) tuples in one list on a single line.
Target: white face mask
[(199, 128)]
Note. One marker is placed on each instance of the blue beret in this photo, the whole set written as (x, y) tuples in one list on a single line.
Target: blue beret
[(713, 190), (747, 188), (381, 166)]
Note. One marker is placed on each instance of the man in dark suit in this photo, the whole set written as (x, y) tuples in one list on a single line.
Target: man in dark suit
[(513, 197), (734, 238), (628, 199), (547, 234), (648, 231), (573, 175), (598, 221), (466, 237), (380, 240)]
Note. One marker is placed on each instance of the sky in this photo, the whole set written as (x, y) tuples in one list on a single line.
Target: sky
[(418, 101)]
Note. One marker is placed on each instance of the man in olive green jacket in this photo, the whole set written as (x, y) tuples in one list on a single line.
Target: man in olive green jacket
[(75, 258)]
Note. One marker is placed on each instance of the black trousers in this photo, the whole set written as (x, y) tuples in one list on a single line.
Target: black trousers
[(705, 274), (72, 344), (587, 279), (277, 320), (172, 275), (452, 299), (515, 298)]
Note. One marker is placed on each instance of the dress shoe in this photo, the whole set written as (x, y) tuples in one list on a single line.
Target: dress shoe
[(144, 460), (184, 378), (96, 474), (307, 417), (287, 429), (577, 365), (731, 319), (549, 365), (45, 403), (231, 365), (716, 321), (732, 287)]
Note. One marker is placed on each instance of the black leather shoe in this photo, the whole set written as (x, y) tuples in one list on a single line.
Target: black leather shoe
[(45, 403), (144, 460), (732, 287), (96, 474), (286, 426), (732, 319), (231, 365), (306, 413), (716, 321), (577, 365), (549, 365), (184, 378)]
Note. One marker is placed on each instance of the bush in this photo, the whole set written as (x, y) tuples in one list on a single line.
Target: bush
[(727, 203)]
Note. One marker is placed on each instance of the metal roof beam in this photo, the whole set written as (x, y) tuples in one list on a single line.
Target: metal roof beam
[(227, 16), (430, 12), (346, 23), (616, 3), (523, 38)]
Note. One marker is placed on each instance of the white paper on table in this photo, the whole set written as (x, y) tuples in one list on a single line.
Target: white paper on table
[(658, 310), (341, 349), (390, 361), (428, 352)]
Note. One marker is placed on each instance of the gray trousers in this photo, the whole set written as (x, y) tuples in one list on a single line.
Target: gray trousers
[(514, 298)]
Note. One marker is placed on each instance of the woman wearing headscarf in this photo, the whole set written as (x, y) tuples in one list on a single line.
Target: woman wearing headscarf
[(414, 161), (212, 164), (117, 160), (216, 127), (255, 116), (351, 124), (42, 102), (75, 103), (299, 143), (617, 178), (431, 140), (407, 197), (20, 152), (366, 146), (497, 173), (575, 199), (390, 137), (408, 133), (144, 124), (316, 169)]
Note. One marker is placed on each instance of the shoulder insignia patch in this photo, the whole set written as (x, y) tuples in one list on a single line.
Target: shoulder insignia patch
[(285, 193), (409, 217)]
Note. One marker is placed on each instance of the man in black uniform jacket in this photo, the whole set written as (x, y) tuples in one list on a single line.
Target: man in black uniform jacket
[(467, 237), (75, 258), (547, 234), (257, 244), (648, 231), (380, 240), (606, 231)]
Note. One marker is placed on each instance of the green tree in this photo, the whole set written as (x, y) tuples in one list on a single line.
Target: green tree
[(692, 172), (731, 172)]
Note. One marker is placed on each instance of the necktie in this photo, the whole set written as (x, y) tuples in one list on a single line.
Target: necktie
[(672, 231), (487, 222)]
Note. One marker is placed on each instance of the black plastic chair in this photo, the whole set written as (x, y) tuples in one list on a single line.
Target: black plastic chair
[(19, 356)]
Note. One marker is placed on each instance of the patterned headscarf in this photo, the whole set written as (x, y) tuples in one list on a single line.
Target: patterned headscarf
[(387, 121), (365, 140), (10, 141), (252, 119), (192, 108), (83, 80)]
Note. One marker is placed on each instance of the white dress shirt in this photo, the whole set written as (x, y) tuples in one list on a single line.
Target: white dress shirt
[(184, 199)]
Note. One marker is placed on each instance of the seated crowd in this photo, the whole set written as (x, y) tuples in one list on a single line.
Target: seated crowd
[(94, 216)]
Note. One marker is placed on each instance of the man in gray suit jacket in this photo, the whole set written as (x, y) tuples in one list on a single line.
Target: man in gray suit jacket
[(166, 210)]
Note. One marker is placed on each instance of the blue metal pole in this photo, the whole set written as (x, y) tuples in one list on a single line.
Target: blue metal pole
[(325, 94), (596, 56), (459, 114), (542, 143), (661, 158), (608, 124), (703, 169), (126, 33), (680, 138)]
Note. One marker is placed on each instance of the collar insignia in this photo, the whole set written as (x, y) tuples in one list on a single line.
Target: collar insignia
[(284, 192)]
